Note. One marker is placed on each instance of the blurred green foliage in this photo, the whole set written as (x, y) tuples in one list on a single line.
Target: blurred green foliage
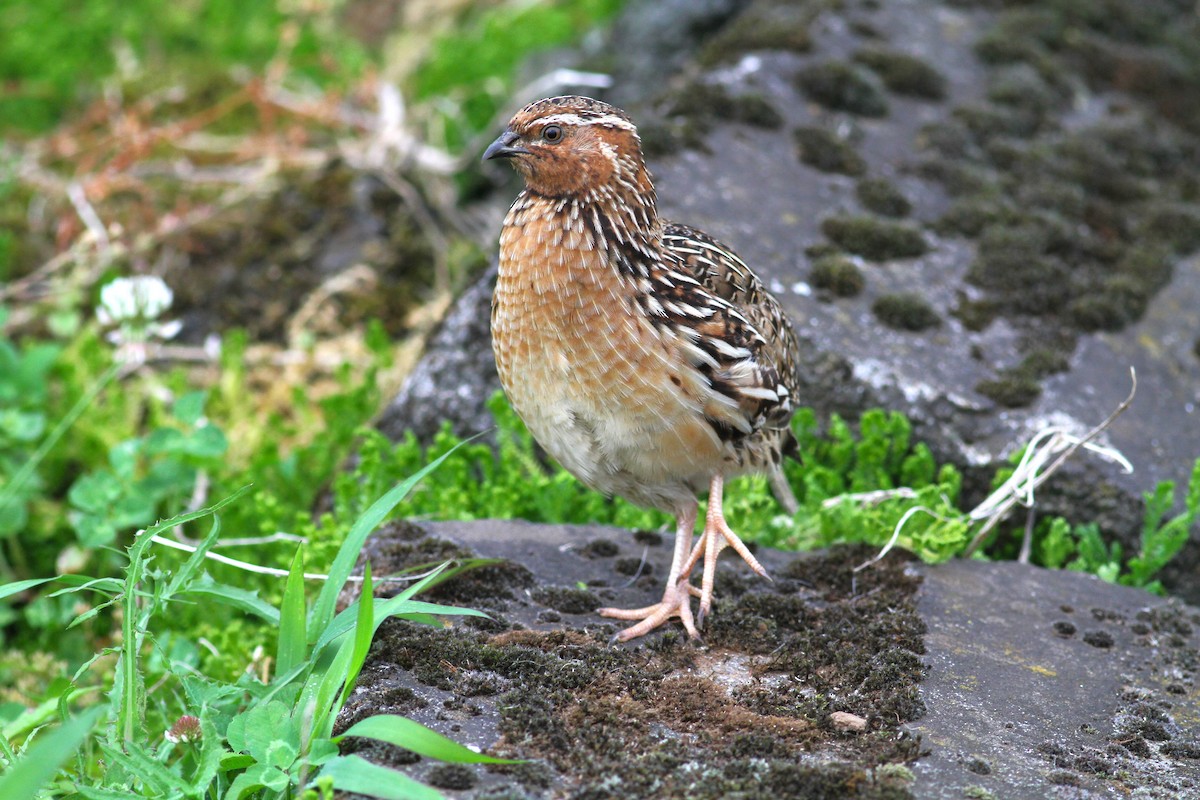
[(56, 55), (469, 74)]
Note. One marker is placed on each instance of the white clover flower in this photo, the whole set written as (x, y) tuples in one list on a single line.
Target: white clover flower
[(142, 297), (133, 304)]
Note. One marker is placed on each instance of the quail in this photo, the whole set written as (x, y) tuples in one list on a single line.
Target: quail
[(643, 355)]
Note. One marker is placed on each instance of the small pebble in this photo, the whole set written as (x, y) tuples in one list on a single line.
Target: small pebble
[(845, 721)]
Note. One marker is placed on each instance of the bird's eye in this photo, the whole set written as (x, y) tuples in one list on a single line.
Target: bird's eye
[(552, 133)]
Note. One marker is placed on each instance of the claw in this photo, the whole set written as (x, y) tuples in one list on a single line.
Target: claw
[(676, 602)]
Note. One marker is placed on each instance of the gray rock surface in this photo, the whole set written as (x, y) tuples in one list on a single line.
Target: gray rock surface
[(747, 185), (1054, 684), (456, 374), (1024, 684)]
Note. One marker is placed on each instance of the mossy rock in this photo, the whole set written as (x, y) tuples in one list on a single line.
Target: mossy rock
[(906, 311), (976, 315), (987, 121), (822, 150), (1118, 301), (841, 86), (837, 274), (1020, 86), (1176, 225), (762, 26), (882, 197), (876, 239), (1015, 389), (971, 216), (1020, 386), (902, 73), (958, 178), (1042, 362), (692, 111), (1015, 261)]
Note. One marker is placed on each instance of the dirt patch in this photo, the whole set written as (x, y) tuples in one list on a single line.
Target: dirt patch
[(746, 714)]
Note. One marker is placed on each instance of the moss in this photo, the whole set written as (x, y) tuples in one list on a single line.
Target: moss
[(865, 29), (568, 600), (875, 239), (762, 26), (693, 111), (957, 178), (1176, 225), (822, 150), (905, 311), (1044, 361), (987, 122), (1182, 750), (841, 86), (902, 73), (600, 548), (1066, 199), (882, 197), (1026, 35), (458, 777), (971, 216), (711, 102), (633, 566), (1118, 300), (946, 137), (1077, 224), (978, 793), (1149, 264), (837, 274), (1014, 261), (1013, 389), (976, 315)]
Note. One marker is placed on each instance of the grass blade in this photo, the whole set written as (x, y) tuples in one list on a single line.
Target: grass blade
[(240, 599), (25, 777), (364, 632), (191, 567), (9, 589), (356, 774), (293, 641), (343, 563), (414, 736)]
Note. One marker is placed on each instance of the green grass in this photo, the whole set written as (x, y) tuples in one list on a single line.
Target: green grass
[(227, 738)]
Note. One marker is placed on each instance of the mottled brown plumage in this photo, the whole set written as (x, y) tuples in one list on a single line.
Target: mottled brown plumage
[(643, 355)]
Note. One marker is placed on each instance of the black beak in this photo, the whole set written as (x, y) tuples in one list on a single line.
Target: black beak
[(503, 147)]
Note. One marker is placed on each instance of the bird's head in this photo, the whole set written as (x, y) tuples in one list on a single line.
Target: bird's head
[(573, 146)]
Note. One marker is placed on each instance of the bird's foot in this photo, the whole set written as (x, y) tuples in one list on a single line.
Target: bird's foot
[(716, 537), (676, 602)]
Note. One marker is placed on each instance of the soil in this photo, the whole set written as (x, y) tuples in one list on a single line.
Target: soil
[(753, 712), (965, 679)]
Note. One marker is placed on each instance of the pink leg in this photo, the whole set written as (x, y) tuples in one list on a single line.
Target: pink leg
[(717, 536), (677, 597)]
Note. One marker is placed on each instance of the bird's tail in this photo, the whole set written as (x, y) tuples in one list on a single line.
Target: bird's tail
[(790, 448)]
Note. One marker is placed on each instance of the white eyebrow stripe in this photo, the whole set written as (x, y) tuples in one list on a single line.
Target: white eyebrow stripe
[(607, 121)]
